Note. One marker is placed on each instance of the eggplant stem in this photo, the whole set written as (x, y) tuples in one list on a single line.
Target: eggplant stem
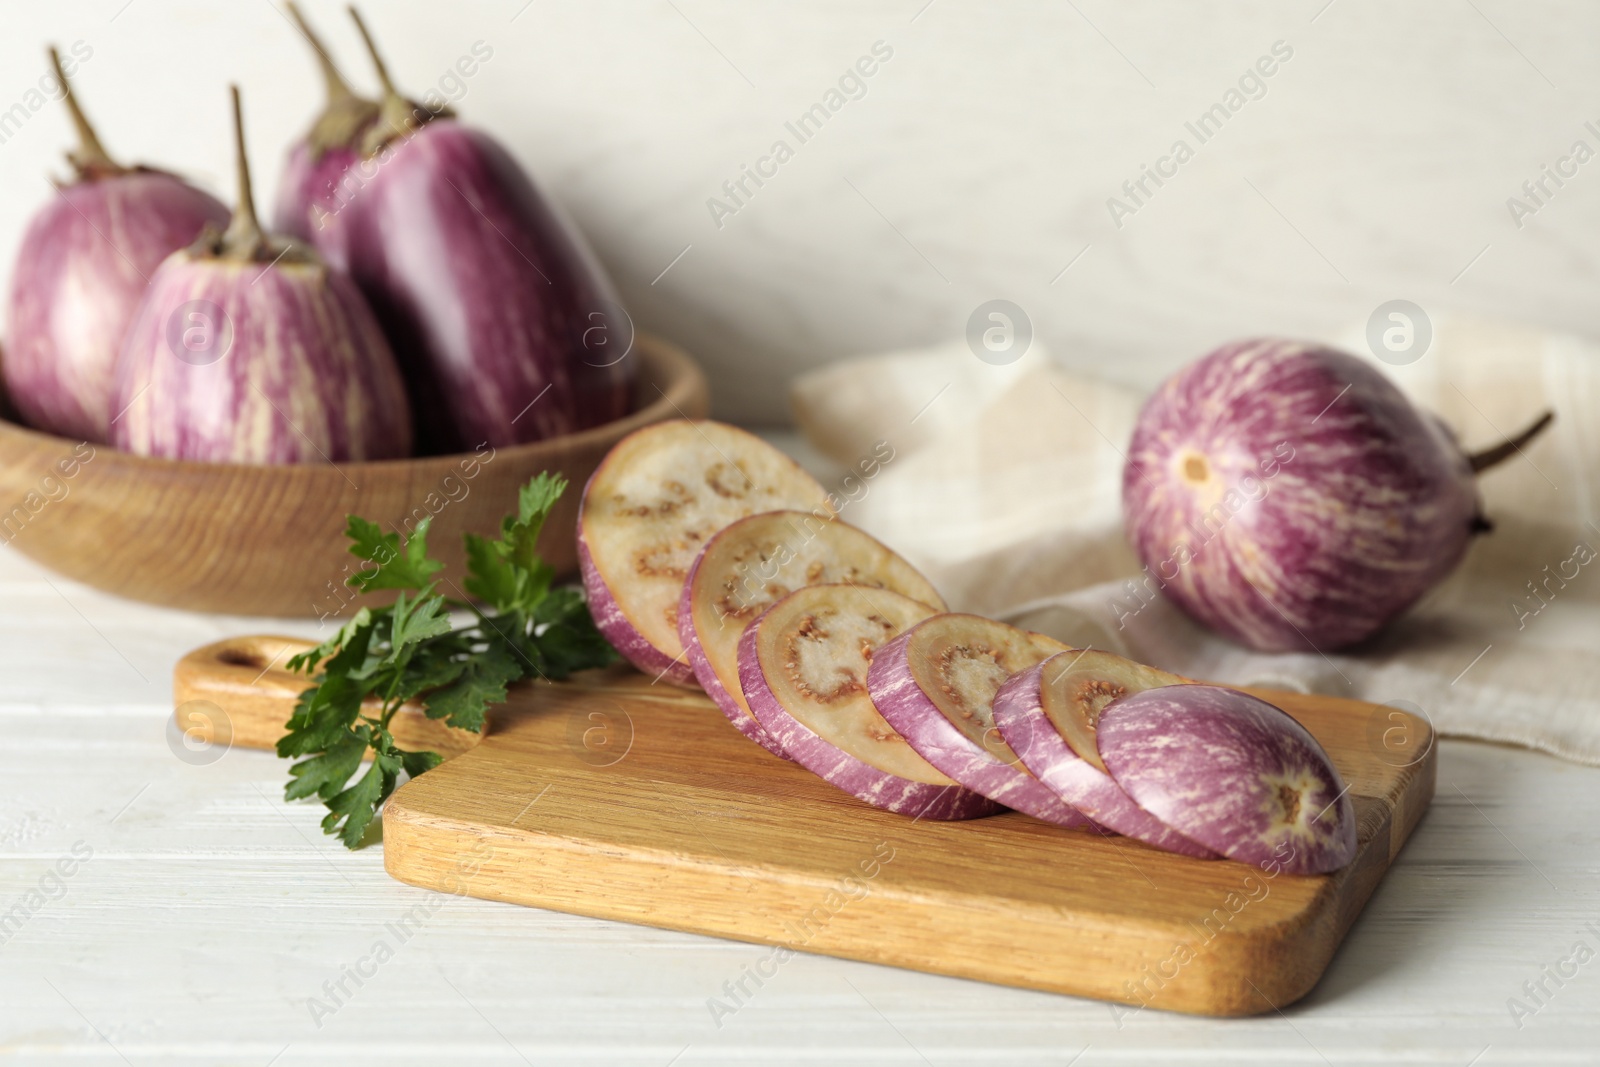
[(372, 50), (397, 116), (344, 114), (1482, 461), (90, 159), (244, 239), (339, 91)]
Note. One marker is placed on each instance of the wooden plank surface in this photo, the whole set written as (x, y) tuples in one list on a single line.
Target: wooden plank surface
[(620, 799), (238, 691), (213, 911)]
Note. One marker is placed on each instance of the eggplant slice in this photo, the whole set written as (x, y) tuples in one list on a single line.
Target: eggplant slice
[(651, 505), (1234, 773), (803, 668), (1037, 712), (935, 684), (752, 563)]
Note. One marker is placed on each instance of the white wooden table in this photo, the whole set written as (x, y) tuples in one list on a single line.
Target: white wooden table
[(209, 912)]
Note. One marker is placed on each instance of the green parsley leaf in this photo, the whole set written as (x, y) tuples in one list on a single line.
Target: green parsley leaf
[(323, 716), (433, 664), (326, 775), (464, 702), (420, 762), (413, 650), (567, 636), (390, 566), (535, 501), (356, 806), (358, 628), (423, 618), (492, 577)]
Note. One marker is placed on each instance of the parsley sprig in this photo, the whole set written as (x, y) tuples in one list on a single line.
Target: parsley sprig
[(519, 625)]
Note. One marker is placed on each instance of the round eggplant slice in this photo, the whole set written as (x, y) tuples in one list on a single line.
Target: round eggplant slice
[(1077, 688), (1232, 772), (803, 668), (651, 505), (1070, 688), (935, 685), (752, 563)]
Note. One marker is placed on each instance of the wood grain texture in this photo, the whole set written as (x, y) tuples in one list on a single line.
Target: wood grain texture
[(213, 909), (270, 540), (238, 692), (614, 798)]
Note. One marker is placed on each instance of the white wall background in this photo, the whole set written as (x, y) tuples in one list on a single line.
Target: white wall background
[(977, 165)]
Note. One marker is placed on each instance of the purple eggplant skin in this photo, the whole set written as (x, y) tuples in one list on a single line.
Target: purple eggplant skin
[(308, 196), (484, 294), (507, 329), (905, 706), (1020, 717), (881, 789), (83, 265), (304, 373), (314, 174), (1288, 496), (249, 349), (1233, 773)]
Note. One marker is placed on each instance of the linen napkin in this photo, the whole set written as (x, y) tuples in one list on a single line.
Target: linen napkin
[(1005, 489)]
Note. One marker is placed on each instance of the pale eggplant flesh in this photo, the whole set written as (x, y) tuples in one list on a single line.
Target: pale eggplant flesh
[(935, 685), (658, 496), (752, 563), (803, 668)]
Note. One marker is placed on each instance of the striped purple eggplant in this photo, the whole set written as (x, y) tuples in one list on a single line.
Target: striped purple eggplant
[(83, 265), (1288, 496), (314, 175), (247, 348), (657, 497), (1035, 732), (803, 670), (1233, 773), (505, 325), (935, 685), (749, 564)]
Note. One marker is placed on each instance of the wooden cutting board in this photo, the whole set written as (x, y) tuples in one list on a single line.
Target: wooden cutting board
[(613, 797)]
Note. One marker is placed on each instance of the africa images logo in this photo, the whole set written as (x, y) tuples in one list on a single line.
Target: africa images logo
[(1252, 85), (851, 85)]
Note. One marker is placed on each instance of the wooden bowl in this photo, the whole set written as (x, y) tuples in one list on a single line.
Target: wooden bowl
[(252, 540)]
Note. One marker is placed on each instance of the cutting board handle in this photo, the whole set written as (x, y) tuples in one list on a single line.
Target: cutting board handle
[(238, 692)]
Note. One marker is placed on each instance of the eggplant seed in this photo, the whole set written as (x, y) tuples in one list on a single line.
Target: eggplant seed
[(1289, 799)]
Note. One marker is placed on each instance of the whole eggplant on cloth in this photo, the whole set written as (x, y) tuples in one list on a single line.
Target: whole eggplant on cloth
[(505, 325), (313, 175), (82, 267), (249, 348), (1289, 496)]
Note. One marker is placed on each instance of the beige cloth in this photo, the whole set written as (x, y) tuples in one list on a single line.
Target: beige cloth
[(1006, 491)]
